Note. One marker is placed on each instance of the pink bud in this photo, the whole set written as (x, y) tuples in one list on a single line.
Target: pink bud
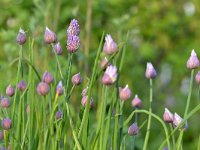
[(133, 129), (168, 116), (10, 90), (193, 61), (109, 46), (150, 71), (49, 36), (47, 77), (21, 37), (124, 93), (110, 75), (84, 101), (197, 77), (136, 102), (77, 79)]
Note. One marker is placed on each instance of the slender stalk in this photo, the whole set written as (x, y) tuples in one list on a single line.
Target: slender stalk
[(149, 118), (173, 138), (68, 72), (134, 138)]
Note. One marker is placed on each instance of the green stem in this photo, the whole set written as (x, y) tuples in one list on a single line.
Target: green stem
[(68, 72), (134, 138)]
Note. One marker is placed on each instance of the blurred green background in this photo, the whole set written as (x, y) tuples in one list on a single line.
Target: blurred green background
[(160, 31)]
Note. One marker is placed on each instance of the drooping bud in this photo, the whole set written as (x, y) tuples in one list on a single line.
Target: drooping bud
[(104, 63), (168, 117), (133, 129), (6, 123), (150, 71), (1, 135), (73, 28), (58, 48), (73, 43), (10, 90), (84, 101), (197, 77), (21, 37), (136, 102), (49, 36), (124, 93), (59, 89), (177, 120), (110, 75), (193, 61), (59, 114), (109, 46), (5, 102), (47, 77), (22, 85), (77, 79), (43, 88)]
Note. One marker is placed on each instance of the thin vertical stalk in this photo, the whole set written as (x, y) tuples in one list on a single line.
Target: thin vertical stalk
[(134, 138), (70, 55)]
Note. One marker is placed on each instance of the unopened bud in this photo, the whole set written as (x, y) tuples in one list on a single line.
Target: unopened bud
[(21, 37), (150, 71), (133, 129), (59, 89), (49, 36), (110, 75), (43, 88), (22, 85), (58, 48), (5, 102), (47, 77), (136, 102), (6, 123), (84, 101), (168, 117), (109, 46), (77, 79), (10, 90), (193, 61), (124, 93)]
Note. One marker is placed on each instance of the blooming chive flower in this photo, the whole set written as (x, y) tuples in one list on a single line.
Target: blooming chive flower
[(110, 75), (136, 102), (5, 102), (133, 129), (43, 88), (59, 114), (10, 90), (49, 36), (73, 43), (104, 63), (73, 28), (22, 85), (193, 61), (21, 37), (177, 120), (197, 77), (47, 77), (168, 117), (59, 89), (124, 93), (109, 46), (77, 79), (58, 48), (150, 71), (1, 135), (6, 123), (84, 101)]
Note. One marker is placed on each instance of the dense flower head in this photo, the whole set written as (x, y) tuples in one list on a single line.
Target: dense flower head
[(21, 37), (59, 114), (49, 36), (84, 101), (43, 88), (6, 123), (73, 43), (168, 117), (136, 102), (73, 28), (10, 90), (124, 93), (104, 63), (1, 135), (197, 77), (47, 77), (5, 102), (109, 46), (193, 61), (150, 71), (58, 48), (77, 79), (177, 120), (110, 75), (59, 88), (22, 85), (133, 129)]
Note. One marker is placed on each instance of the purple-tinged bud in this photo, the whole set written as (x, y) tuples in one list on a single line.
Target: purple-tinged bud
[(168, 117), (10, 90), (43, 88), (49, 36), (136, 102), (104, 63), (73, 43), (133, 129), (197, 77), (77, 79), (193, 61), (84, 101), (59, 89), (59, 114), (84, 92), (21, 37), (150, 71), (73, 28), (109, 46), (5, 102), (124, 93), (47, 77), (6, 123), (22, 85), (110, 75), (1, 135), (177, 120), (58, 48)]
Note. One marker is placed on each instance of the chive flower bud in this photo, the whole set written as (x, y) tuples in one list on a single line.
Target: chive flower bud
[(84, 101), (49, 36), (168, 117), (73, 43), (124, 93), (59, 114), (77, 79), (47, 77), (10, 90), (59, 89), (1, 135), (21, 37), (104, 63), (133, 129), (150, 71), (110, 75), (73, 28), (58, 48), (43, 88), (84, 92), (22, 85), (109, 46), (177, 120), (6, 123), (5, 102), (193, 61), (136, 102), (197, 77)]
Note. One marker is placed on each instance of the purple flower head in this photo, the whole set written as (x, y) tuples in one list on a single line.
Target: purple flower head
[(110, 75), (22, 85), (193, 61), (77, 79), (133, 129), (124, 93), (168, 117), (84, 92), (109, 46), (5, 102), (59, 89), (84, 101), (49, 36), (73, 43), (136, 102), (10, 90), (58, 48), (47, 77), (73, 28), (43, 88), (21, 37), (104, 63), (6, 123), (177, 120), (197, 77), (1, 135), (150, 71), (59, 114)]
